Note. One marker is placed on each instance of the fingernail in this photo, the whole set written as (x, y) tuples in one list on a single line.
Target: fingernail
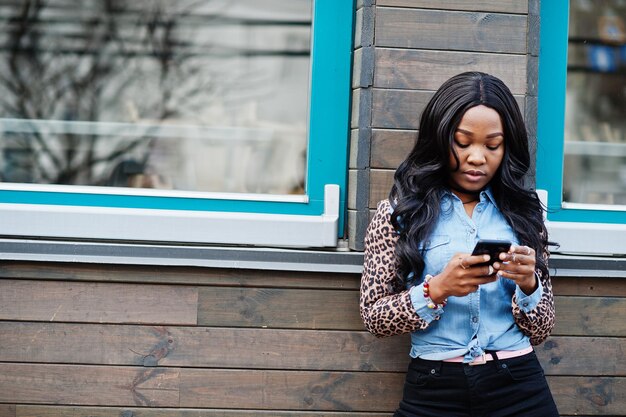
[(486, 257)]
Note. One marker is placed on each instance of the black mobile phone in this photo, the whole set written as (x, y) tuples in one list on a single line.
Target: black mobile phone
[(493, 248)]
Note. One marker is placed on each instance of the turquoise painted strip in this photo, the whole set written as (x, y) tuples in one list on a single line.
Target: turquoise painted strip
[(330, 98), (588, 216), (551, 100), (162, 203)]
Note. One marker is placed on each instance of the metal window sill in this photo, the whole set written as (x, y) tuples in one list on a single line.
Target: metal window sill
[(279, 259), (181, 255)]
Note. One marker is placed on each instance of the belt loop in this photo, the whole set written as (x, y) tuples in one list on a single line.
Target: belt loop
[(496, 360)]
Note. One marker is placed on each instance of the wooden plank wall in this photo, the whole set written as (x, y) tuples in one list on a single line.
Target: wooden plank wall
[(404, 50), (80, 340)]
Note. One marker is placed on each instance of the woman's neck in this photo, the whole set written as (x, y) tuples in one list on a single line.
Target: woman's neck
[(469, 200)]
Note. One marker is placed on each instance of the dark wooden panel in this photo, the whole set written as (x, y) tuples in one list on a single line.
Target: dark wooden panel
[(355, 109), (358, 33), (57, 411), (450, 30), (402, 109), (391, 147), (506, 6), (594, 287), (337, 391), (174, 275), (60, 411), (592, 396), (371, 214), (353, 188), (398, 109), (201, 347), (381, 181), (96, 302), (427, 70), (256, 278), (88, 385), (365, 391), (279, 308), (259, 349), (88, 343), (590, 356), (7, 410), (354, 150), (592, 316)]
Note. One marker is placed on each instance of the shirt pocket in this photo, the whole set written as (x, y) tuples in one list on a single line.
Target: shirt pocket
[(436, 252)]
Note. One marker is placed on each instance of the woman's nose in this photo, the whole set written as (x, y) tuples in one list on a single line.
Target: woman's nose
[(476, 156)]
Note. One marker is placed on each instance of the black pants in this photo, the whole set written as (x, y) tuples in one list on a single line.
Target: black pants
[(514, 387)]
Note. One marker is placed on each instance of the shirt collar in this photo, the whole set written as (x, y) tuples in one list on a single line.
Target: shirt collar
[(486, 194), (489, 194)]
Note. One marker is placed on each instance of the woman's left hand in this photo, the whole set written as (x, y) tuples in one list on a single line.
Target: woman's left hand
[(518, 264)]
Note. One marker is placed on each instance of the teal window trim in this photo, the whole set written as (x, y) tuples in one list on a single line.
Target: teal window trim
[(551, 118), (329, 103)]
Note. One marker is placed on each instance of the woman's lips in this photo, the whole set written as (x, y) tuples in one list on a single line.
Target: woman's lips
[(474, 176)]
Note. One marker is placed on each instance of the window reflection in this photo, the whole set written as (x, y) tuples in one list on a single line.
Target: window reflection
[(200, 95), (595, 122)]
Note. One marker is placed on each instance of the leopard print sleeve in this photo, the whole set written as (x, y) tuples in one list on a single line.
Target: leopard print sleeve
[(537, 324), (385, 309)]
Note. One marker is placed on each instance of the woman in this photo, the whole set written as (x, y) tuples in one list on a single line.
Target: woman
[(472, 324)]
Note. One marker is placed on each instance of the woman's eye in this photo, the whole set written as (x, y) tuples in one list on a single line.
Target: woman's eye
[(461, 145), (493, 147)]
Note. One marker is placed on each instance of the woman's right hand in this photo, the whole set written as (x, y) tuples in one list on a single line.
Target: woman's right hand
[(461, 276)]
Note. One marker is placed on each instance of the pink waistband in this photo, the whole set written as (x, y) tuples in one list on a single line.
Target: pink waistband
[(502, 354)]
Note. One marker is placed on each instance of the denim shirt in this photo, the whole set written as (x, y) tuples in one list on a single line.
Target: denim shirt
[(479, 321)]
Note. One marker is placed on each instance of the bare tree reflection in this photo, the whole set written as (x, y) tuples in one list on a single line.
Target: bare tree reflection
[(88, 85), (83, 61)]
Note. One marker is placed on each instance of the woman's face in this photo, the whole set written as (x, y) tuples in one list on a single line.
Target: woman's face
[(479, 144)]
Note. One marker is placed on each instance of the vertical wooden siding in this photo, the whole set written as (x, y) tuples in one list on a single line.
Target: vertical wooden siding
[(249, 343), (410, 48), (417, 49)]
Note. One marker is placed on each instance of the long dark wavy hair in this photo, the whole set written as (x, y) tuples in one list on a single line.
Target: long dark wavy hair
[(422, 179)]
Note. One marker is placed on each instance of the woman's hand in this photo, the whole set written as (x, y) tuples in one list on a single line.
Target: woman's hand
[(461, 276), (519, 265)]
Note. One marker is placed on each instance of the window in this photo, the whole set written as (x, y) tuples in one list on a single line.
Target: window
[(221, 114), (581, 126)]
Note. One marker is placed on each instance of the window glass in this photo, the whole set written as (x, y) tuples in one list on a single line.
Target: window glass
[(594, 170), (194, 95)]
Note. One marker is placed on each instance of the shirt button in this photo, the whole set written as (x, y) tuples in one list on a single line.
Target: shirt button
[(475, 319), (525, 304), (472, 230)]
